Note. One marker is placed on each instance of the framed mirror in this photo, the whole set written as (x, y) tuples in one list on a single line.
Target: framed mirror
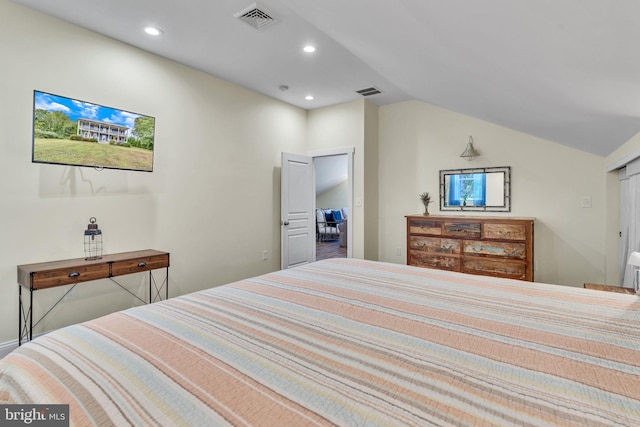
[(478, 189)]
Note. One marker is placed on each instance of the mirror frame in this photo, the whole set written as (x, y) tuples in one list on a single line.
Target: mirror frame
[(506, 207)]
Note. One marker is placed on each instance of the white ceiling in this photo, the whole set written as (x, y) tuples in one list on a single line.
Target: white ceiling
[(564, 70)]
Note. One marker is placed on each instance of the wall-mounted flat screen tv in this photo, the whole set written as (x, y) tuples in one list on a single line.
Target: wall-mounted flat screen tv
[(67, 131)]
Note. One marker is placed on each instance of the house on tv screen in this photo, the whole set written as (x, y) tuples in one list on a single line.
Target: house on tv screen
[(102, 131)]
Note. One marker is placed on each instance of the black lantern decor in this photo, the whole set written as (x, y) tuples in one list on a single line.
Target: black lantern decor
[(92, 241)]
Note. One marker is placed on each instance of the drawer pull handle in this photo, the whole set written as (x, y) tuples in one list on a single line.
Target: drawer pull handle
[(74, 274), (142, 264)]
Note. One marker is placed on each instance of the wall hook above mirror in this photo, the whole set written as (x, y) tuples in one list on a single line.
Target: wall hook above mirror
[(469, 153)]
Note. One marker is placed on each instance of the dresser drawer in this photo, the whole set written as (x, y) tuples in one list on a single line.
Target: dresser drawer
[(69, 275), (493, 267), (434, 245), (442, 262), (495, 249), (505, 231), (469, 230), (425, 226), (129, 266)]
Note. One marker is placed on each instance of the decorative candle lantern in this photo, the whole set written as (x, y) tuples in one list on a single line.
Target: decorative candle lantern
[(92, 241)]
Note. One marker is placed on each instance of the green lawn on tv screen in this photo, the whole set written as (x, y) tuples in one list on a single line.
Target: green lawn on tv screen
[(91, 154)]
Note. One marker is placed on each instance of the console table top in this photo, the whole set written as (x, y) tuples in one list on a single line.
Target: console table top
[(25, 270)]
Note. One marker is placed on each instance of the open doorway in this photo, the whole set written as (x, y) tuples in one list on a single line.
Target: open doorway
[(299, 232), (332, 195)]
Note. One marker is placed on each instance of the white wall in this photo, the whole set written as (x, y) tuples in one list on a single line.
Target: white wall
[(212, 201), (341, 126), (332, 178), (353, 124), (336, 197), (371, 178), (549, 182)]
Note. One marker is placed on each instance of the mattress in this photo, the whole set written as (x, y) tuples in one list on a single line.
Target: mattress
[(346, 342)]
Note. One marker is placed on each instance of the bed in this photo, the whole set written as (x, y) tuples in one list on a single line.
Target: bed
[(346, 342)]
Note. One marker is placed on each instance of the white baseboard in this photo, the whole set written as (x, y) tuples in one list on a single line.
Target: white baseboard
[(8, 347)]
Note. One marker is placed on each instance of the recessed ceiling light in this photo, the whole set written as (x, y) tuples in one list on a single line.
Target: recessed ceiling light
[(309, 49), (309, 98), (153, 31)]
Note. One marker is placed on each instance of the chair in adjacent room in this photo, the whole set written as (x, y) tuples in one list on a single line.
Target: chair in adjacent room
[(325, 229)]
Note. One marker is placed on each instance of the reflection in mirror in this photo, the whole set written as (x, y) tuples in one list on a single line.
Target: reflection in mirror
[(479, 189)]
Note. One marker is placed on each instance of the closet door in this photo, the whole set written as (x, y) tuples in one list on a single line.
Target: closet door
[(625, 208), (629, 219)]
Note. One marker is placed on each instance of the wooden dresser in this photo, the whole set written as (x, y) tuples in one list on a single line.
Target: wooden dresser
[(490, 246), (610, 288)]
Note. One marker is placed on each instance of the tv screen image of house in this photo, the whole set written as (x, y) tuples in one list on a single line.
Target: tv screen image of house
[(71, 132)]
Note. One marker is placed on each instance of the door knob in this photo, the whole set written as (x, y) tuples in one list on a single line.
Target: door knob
[(285, 223)]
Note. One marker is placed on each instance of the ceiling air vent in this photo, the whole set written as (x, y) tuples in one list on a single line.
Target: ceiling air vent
[(256, 16), (369, 91)]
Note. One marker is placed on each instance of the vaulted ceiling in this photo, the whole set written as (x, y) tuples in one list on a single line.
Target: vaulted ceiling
[(563, 70)]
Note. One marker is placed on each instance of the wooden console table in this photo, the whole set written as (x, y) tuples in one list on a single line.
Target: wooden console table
[(47, 275)]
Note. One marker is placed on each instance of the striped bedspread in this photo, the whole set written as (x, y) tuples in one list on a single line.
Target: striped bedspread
[(351, 343)]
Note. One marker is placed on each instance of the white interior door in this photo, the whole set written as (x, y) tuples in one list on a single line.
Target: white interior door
[(298, 232)]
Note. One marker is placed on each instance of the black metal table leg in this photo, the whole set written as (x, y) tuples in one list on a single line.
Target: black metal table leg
[(30, 313), (20, 311)]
